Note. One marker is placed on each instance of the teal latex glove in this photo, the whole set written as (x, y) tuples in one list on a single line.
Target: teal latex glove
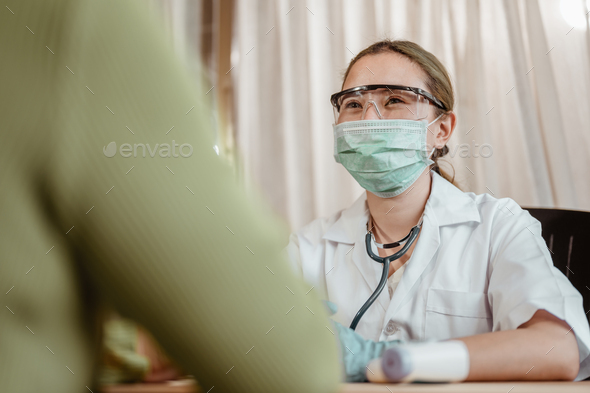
[(355, 351)]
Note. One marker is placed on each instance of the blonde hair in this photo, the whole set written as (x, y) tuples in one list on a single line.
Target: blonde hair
[(438, 82)]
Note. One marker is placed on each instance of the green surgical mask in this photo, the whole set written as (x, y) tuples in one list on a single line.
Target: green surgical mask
[(384, 156)]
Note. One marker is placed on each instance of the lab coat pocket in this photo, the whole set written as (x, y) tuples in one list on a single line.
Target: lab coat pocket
[(451, 314)]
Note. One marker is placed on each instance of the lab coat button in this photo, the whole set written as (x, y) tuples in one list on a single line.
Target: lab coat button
[(391, 328)]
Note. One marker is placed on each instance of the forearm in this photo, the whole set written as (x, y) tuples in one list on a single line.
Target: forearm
[(542, 349)]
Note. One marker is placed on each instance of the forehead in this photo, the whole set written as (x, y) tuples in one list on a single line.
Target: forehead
[(385, 68)]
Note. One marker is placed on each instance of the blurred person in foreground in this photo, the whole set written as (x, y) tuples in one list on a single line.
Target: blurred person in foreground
[(112, 194)]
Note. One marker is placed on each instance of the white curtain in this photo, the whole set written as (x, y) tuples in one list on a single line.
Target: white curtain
[(522, 81), (185, 22)]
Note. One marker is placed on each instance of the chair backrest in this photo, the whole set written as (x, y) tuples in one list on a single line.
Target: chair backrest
[(567, 234)]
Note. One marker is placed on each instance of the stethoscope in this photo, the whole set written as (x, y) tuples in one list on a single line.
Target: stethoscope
[(406, 242)]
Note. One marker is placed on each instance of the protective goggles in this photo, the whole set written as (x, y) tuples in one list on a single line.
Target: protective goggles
[(388, 102)]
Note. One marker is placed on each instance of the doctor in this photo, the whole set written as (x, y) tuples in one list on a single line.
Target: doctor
[(479, 269)]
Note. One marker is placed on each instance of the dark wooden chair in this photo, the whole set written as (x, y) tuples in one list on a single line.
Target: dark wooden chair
[(567, 234)]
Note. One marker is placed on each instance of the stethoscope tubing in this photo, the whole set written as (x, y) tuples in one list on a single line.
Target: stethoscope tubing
[(386, 261)]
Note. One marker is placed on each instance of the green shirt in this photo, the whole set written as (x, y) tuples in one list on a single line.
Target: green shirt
[(171, 242)]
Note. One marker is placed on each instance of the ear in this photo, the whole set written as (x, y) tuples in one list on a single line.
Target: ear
[(445, 129)]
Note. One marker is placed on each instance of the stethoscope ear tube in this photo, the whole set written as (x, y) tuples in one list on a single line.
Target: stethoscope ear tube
[(385, 261)]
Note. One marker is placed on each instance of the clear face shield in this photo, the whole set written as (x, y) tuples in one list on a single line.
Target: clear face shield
[(382, 102)]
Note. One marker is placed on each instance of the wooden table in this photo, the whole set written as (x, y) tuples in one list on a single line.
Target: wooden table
[(484, 387), (487, 387)]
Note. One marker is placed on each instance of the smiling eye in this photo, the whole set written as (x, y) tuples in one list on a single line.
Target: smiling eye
[(351, 105), (394, 100)]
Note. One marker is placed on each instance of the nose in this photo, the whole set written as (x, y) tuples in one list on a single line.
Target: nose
[(371, 111)]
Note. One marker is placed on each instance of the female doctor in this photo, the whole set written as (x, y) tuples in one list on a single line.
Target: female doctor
[(479, 270)]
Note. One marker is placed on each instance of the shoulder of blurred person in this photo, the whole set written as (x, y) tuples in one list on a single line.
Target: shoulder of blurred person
[(82, 223)]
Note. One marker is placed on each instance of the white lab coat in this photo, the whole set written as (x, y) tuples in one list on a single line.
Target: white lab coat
[(480, 265)]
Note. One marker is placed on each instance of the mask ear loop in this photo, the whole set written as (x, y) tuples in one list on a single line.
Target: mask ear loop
[(431, 153)]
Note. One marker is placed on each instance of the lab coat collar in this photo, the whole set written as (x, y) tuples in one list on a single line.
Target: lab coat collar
[(446, 205), (449, 204)]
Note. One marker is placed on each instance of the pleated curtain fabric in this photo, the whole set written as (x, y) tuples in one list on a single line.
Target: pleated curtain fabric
[(521, 76)]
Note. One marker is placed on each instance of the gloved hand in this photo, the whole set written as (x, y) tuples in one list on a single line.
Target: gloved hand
[(356, 352)]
